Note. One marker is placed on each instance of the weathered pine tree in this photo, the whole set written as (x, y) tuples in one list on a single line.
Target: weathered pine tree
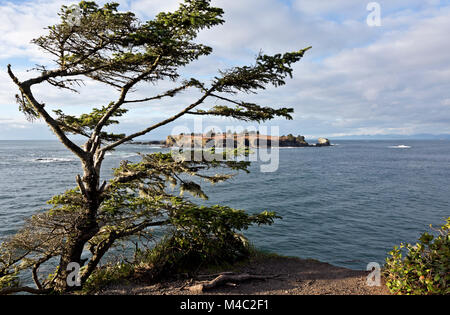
[(118, 50)]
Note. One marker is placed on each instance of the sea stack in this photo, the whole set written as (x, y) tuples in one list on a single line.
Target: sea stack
[(323, 142)]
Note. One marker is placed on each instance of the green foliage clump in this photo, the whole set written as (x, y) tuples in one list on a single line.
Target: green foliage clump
[(9, 281), (107, 275), (425, 269), (86, 123), (204, 236)]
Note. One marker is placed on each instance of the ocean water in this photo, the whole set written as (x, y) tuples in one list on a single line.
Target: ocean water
[(347, 205)]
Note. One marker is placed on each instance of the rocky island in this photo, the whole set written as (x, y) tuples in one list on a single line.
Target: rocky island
[(246, 139)]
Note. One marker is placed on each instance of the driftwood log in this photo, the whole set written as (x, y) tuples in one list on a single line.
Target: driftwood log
[(226, 279)]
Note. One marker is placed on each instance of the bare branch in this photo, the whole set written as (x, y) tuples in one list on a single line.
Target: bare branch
[(226, 99), (35, 269), (81, 185), (225, 278), (169, 93)]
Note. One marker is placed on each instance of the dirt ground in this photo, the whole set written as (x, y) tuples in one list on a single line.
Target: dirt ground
[(287, 276)]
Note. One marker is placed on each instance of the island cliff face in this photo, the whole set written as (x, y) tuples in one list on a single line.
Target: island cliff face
[(254, 140)]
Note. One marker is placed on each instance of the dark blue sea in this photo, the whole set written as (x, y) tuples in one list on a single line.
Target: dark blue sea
[(348, 204)]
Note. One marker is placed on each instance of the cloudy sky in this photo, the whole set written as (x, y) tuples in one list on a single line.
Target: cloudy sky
[(357, 80)]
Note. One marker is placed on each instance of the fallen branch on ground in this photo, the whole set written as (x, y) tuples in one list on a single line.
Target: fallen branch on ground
[(223, 279), (215, 274), (12, 290)]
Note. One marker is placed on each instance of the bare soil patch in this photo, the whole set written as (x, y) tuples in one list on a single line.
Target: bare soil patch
[(285, 276)]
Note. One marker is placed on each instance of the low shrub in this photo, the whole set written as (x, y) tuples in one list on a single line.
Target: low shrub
[(108, 275), (201, 237), (425, 268)]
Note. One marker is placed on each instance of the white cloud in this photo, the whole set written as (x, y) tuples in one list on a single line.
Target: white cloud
[(356, 79), (145, 8), (21, 22)]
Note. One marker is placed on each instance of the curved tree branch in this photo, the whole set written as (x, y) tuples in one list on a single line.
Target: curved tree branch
[(35, 269), (53, 124), (106, 244)]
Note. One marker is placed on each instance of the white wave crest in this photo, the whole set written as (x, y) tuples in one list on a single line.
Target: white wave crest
[(53, 160), (401, 146)]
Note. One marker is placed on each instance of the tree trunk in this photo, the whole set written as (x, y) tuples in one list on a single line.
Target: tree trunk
[(86, 226)]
